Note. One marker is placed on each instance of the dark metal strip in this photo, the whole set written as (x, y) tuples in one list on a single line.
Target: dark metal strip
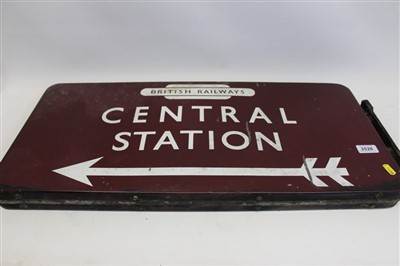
[(387, 140)]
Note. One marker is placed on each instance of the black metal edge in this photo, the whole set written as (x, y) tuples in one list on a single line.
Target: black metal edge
[(196, 201), (287, 207), (208, 206), (387, 140)]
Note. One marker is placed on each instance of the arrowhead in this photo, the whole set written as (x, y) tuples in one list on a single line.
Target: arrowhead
[(79, 171)]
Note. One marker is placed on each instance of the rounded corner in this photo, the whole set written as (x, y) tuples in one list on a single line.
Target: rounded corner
[(53, 87), (340, 86)]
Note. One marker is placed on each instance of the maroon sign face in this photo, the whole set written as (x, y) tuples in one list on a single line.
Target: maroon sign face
[(199, 138)]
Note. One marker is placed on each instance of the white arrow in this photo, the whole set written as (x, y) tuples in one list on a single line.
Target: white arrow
[(81, 171)]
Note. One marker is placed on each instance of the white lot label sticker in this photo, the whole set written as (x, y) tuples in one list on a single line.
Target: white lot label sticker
[(367, 149)]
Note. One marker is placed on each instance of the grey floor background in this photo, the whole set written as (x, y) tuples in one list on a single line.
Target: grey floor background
[(353, 43)]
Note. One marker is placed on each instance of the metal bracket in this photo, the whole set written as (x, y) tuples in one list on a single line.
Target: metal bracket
[(387, 140)]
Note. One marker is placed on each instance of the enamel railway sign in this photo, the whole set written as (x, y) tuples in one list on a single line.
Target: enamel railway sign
[(200, 146)]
